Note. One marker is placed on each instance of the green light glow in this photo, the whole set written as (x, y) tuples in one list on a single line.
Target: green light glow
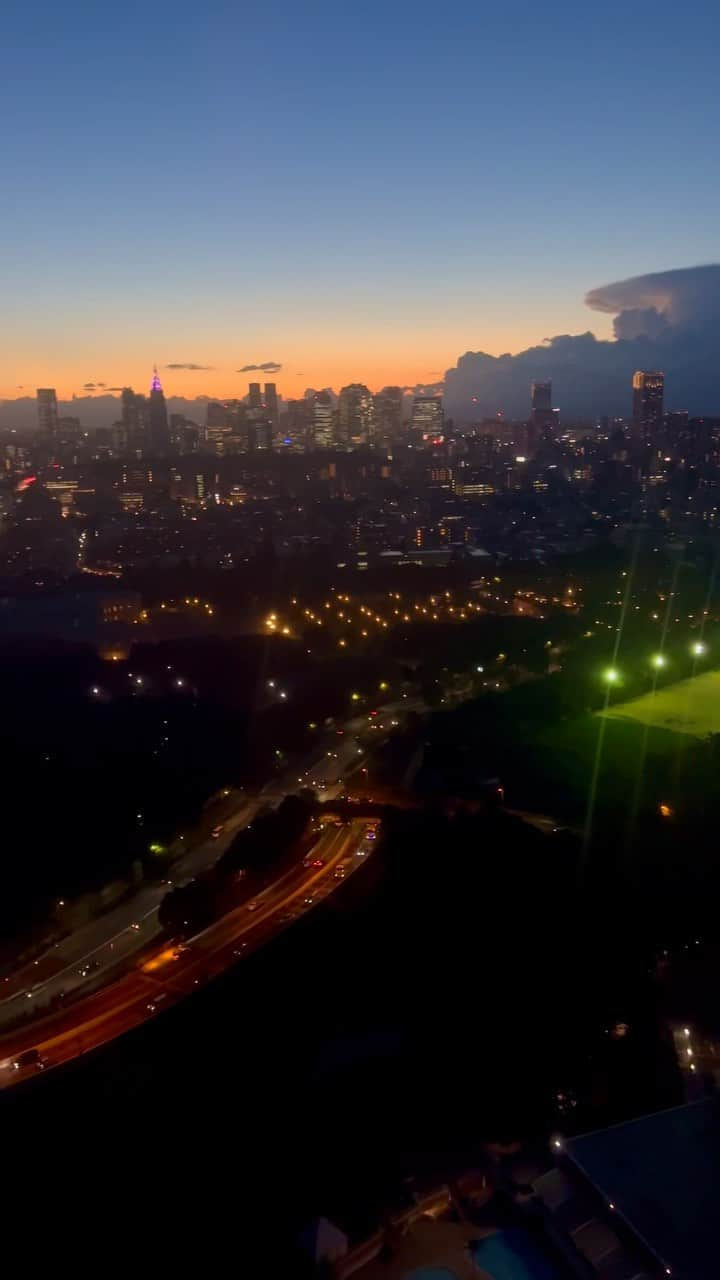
[(658, 660)]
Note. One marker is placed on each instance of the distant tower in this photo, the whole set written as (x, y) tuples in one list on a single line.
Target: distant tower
[(47, 410), (323, 420), (355, 414), (543, 418), (648, 395), (428, 418), (388, 414), (158, 434), (271, 403)]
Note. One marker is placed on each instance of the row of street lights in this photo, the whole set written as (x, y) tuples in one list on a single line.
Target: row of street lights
[(612, 675)]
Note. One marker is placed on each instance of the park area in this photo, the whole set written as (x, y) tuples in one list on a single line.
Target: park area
[(690, 707)]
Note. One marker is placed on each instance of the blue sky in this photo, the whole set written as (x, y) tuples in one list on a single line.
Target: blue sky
[(356, 191)]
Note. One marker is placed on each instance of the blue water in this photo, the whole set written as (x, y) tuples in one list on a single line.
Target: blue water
[(511, 1255)]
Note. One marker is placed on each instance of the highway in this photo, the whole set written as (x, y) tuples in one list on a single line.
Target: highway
[(173, 972), (91, 953)]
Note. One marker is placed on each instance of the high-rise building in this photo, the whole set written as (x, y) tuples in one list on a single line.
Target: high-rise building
[(356, 419), (262, 415), (226, 426), (428, 419), (388, 406), (544, 420), (270, 400), (648, 393), (158, 434), (47, 409), (323, 420)]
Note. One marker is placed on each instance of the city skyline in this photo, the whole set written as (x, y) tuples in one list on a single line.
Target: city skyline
[(222, 220)]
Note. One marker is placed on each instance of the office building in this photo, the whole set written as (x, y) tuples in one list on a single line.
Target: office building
[(262, 416), (388, 407), (47, 409), (158, 434), (270, 400), (356, 419), (544, 420), (226, 429), (428, 419), (323, 420), (648, 393)]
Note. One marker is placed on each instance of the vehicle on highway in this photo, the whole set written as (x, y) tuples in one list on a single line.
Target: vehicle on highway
[(29, 1058), (318, 862), (253, 906), (217, 831), (152, 1005)]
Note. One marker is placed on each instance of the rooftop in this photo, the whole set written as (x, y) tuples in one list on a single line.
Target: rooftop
[(662, 1175)]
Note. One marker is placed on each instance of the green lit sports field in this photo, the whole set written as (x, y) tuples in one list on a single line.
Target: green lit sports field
[(690, 706)]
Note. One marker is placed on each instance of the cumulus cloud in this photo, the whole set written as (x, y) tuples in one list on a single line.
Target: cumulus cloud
[(668, 320), (188, 364), (268, 366)]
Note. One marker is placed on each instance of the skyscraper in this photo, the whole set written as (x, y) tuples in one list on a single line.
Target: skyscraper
[(323, 420), (47, 410), (355, 414), (428, 419), (388, 405), (543, 418), (262, 415), (648, 394), (270, 399), (158, 432)]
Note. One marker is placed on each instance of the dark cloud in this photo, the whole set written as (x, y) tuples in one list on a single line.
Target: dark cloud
[(115, 388), (668, 320), (268, 366), (93, 386), (188, 364)]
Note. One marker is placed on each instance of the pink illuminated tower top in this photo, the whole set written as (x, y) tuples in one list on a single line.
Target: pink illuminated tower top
[(156, 384)]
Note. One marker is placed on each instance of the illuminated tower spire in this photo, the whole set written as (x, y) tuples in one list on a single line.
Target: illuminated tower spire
[(158, 435)]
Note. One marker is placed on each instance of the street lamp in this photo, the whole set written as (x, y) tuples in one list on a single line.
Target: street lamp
[(658, 660), (698, 649), (612, 675)]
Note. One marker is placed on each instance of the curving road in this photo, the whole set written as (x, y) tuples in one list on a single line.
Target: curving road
[(171, 973)]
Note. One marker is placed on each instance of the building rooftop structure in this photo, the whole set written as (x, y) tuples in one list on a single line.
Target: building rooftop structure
[(661, 1175)]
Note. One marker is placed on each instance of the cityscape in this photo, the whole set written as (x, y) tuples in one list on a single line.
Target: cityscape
[(361, 706)]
